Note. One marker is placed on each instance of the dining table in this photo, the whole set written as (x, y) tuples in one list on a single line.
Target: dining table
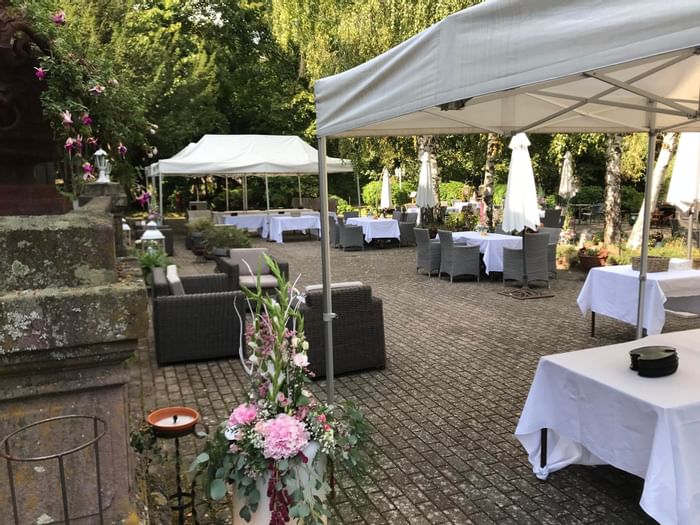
[(490, 245), (613, 291), (282, 223), (588, 407), (376, 228)]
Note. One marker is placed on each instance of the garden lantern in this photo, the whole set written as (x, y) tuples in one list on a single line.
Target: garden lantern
[(103, 166), (152, 239), (126, 232)]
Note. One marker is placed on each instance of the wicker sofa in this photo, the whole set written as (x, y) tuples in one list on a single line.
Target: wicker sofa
[(238, 273), (358, 331), (199, 321)]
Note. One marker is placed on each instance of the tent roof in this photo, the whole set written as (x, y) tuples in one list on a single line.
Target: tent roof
[(542, 66), (248, 154)]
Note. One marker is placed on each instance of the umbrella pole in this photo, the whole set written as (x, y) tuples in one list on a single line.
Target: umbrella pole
[(267, 197), (645, 232), (357, 182), (328, 314), (299, 182), (691, 216), (226, 177), (245, 193)]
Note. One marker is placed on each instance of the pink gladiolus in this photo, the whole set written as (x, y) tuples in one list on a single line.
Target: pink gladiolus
[(40, 73), (67, 118), (243, 414), (59, 18), (121, 149), (86, 119), (284, 437)]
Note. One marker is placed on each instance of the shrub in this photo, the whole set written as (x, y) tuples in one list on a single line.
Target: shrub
[(235, 200), (588, 195), (630, 200), (343, 205), (372, 193), (499, 194), (550, 202), (152, 259), (200, 225), (226, 237), (451, 191)]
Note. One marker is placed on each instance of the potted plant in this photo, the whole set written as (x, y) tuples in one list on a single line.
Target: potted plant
[(151, 259), (592, 257), (272, 449)]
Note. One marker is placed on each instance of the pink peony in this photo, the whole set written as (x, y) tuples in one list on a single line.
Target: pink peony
[(242, 415), (284, 437), (301, 360)]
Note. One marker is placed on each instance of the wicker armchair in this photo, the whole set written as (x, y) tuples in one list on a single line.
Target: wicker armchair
[(529, 264), (552, 260), (237, 271), (427, 252), (552, 218), (358, 331), (200, 324), (350, 236), (458, 259), (334, 233)]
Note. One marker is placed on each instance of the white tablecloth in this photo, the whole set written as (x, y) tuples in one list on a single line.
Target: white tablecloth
[(246, 222), (282, 223), (491, 246), (601, 412), (613, 291), (376, 228)]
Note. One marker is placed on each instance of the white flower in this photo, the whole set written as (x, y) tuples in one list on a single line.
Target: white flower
[(254, 359), (306, 393), (301, 360), (305, 346), (295, 341)]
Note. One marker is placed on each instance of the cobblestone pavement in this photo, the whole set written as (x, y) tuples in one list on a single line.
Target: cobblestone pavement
[(460, 360)]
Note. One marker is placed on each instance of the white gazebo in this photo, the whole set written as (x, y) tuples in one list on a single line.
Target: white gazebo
[(535, 66)]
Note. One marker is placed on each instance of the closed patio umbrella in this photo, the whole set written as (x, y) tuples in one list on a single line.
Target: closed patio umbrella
[(521, 210), (567, 184), (426, 196), (684, 190), (385, 202)]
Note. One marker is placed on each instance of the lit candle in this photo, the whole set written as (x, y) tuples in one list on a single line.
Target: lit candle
[(176, 420)]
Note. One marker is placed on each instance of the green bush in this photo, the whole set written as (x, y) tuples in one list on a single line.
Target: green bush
[(226, 237), (152, 259), (630, 200), (550, 202), (451, 191), (235, 200), (588, 195), (372, 193), (200, 225), (499, 194), (343, 205)]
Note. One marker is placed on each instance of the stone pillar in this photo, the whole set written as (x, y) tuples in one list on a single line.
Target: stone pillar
[(118, 198), (69, 319)]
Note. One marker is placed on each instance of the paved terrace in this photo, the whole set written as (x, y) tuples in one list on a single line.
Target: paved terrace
[(460, 360)]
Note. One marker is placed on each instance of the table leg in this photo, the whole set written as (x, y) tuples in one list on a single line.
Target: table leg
[(543, 448), (592, 324)]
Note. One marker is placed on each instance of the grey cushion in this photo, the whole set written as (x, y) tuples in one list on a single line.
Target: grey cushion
[(254, 259), (346, 284), (250, 281), (174, 282)]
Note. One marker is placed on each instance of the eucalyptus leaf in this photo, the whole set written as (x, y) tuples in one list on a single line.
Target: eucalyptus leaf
[(217, 490), (245, 513)]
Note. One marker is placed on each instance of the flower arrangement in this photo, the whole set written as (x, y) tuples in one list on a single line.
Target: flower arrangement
[(275, 444), (568, 236)]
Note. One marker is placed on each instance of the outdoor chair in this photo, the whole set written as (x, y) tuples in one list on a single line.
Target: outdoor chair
[(351, 214), (194, 317), (427, 252), (245, 265), (411, 217), (552, 232), (552, 259), (358, 330), (397, 215), (407, 236), (333, 232), (457, 259), (529, 264), (350, 236), (552, 218), (594, 213)]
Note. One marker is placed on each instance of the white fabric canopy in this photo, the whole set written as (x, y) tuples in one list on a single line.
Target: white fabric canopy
[(248, 154), (520, 210), (425, 197), (385, 202), (506, 65), (567, 183)]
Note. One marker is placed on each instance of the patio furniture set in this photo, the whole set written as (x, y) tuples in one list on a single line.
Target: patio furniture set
[(204, 317)]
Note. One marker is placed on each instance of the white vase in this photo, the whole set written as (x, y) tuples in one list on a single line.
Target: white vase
[(262, 515)]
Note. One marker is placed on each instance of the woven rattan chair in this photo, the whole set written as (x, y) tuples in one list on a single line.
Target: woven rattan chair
[(529, 264), (397, 215), (457, 259), (552, 218), (358, 331), (407, 235), (427, 252), (237, 271), (334, 234), (552, 260), (200, 324), (552, 232), (351, 214), (350, 236)]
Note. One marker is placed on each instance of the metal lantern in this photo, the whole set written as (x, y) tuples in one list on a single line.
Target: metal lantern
[(103, 166), (152, 239), (126, 232)]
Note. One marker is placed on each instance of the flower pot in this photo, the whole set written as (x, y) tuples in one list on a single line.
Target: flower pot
[(262, 515), (563, 263), (592, 261)]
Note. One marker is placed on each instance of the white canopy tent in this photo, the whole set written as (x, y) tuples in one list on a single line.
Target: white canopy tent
[(536, 66), (243, 155)]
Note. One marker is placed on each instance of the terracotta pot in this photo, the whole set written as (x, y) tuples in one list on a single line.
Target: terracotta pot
[(592, 261)]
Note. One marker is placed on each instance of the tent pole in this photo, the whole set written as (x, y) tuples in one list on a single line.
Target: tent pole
[(299, 182), (226, 177), (328, 314), (245, 192), (691, 216), (267, 197), (645, 232), (357, 181), (160, 198)]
